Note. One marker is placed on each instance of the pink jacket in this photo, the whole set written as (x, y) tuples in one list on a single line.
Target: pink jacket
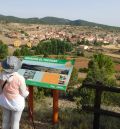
[(15, 86), (14, 93)]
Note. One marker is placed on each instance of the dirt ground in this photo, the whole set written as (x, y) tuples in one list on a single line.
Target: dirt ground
[(117, 67), (112, 46), (81, 62)]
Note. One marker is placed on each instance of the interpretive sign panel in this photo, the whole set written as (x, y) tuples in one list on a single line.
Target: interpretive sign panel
[(47, 72)]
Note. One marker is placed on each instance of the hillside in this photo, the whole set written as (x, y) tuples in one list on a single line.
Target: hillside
[(53, 21)]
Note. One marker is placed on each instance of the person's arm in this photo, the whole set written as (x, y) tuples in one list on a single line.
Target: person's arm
[(23, 89)]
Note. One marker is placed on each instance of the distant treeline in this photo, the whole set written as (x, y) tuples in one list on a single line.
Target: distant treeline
[(86, 42)]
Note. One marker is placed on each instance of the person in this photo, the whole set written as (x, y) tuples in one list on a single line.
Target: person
[(13, 92)]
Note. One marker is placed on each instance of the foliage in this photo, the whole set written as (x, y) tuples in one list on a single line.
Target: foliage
[(84, 96), (83, 42), (101, 68), (60, 57), (45, 55), (38, 93), (23, 32), (3, 50), (118, 75), (74, 77), (73, 81), (24, 51), (107, 122), (53, 46), (80, 53), (109, 98), (96, 43), (86, 42), (83, 70), (17, 52)]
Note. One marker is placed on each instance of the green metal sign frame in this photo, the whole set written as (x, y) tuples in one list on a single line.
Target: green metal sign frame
[(46, 72)]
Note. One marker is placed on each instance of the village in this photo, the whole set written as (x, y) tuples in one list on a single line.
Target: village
[(17, 34)]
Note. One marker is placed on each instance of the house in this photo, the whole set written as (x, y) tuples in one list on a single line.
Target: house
[(17, 43), (83, 47), (29, 44)]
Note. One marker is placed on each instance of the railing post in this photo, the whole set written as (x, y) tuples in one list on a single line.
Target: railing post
[(97, 103), (99, 88)]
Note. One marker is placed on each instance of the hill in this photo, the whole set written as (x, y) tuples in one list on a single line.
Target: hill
[(53, 21)]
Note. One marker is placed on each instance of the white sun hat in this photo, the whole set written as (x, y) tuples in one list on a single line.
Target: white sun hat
[(11, 64)]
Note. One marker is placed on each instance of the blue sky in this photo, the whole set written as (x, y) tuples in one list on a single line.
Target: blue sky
[(99, 11)]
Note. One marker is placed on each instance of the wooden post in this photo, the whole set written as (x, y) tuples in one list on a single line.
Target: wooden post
[(30, 102), (97, 103), (55, 106)]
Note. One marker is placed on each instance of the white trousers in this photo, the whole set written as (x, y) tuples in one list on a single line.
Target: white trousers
[(11, 119)]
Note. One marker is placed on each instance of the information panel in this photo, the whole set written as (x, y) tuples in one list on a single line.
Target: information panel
[(47, 72)]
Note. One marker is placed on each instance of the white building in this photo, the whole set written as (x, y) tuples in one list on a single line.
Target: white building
[(84, 47)]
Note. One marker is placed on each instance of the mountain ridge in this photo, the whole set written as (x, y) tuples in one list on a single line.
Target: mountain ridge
[(53, 21)]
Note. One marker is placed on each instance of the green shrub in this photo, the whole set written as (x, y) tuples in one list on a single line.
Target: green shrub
[(83, 70), (3, 50)]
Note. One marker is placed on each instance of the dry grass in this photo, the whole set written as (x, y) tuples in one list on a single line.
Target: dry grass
[(82, 75), (113, 55), (43, 112), (114, 47)]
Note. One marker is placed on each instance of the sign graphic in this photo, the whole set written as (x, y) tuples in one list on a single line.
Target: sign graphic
[(47, 72)]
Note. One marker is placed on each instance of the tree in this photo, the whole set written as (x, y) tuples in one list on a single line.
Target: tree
[(100, 68), (53, 46), (17, 52), (73, 81), (3, 50), (25, 51)]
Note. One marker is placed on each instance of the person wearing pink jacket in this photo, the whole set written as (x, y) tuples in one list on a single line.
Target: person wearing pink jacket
[(13, 92)]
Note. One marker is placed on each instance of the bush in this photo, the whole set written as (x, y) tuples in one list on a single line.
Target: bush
[(83, 70), (101, 68), (3, 50), (39, 93), (24, 51), (17, 52)]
